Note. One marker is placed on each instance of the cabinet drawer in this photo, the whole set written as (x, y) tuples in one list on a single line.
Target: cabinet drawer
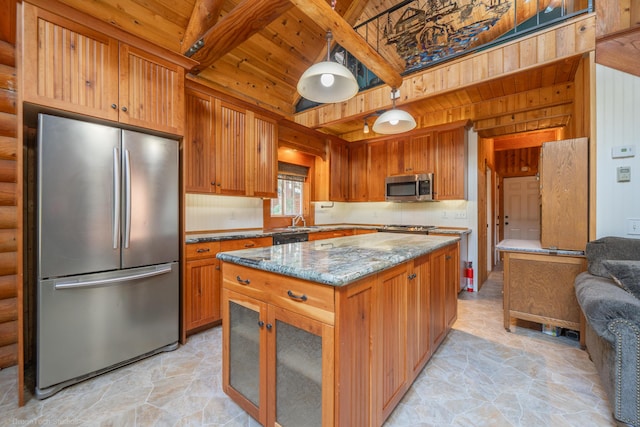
[(310, 299), (234, 245), (202, 250), (329, 234)]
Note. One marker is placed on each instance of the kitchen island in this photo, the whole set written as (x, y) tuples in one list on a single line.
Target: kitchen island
[(538, 284), (333, 332)]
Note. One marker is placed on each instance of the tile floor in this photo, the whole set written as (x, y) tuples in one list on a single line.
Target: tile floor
[(480, 376)]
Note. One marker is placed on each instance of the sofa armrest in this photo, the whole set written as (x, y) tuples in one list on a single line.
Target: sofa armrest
[(602, 302)]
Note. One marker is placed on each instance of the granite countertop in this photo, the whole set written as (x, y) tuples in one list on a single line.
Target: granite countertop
[(251, 234), (533, 246), (339, 261)]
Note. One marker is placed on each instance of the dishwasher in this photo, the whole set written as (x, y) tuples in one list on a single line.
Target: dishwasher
[(283, 238)]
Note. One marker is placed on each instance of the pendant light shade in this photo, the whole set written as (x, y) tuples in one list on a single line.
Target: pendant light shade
[(328, 81), (394, 120)]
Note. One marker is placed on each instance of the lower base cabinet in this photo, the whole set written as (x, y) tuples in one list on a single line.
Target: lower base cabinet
[(539, 288), (297, 353)]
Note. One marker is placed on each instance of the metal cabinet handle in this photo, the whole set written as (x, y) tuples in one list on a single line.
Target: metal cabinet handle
[(260, 323), (302, 297), (448, 257), (244, 282), (412, 276), (269, 326), (202, 250), (114, 106), (124, 109)]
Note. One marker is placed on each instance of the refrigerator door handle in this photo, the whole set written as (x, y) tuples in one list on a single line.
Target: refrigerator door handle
[(113, 281), (127, 199), (116, 198)]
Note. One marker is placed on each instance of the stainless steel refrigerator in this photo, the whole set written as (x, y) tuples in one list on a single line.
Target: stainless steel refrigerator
[(107, 249)]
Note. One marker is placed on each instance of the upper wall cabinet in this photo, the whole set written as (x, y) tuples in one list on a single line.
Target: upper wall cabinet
[(451, 165), (411, 154), (228, 149), (71, 67), (332, 174)]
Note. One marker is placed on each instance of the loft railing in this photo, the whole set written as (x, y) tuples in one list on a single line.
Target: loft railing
[(417, 34)]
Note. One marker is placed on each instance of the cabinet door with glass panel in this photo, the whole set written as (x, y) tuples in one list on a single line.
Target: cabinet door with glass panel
[(279, 364)]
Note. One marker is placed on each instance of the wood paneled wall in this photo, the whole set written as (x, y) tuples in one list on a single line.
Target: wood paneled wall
[(520, 162), (11, 289)]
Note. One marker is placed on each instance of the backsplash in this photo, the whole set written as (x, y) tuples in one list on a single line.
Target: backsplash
[(446, 213), (209, 212)]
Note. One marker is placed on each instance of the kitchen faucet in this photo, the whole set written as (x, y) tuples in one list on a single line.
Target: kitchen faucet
[(295, 219)]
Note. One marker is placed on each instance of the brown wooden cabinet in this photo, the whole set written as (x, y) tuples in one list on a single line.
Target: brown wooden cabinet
[(451, 283), (358, 161), (564, 184), (539, 288), (376, 170), (72, 67), (451, 167), (198, 156), (202, 289), (411, 154), (281, 347), (228, 149), (263, 177), (202, 281), (418, 315), (390, 345), (440, 152), (437, 318), (373, 337), (332, 174), (321, 235)]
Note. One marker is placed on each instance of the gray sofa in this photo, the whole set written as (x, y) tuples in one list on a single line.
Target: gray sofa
[(609, 295)]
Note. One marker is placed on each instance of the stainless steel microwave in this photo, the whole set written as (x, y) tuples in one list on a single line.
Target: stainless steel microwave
[(409, 188)]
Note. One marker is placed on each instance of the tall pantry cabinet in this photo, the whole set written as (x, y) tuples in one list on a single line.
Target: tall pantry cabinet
[(564, 178)]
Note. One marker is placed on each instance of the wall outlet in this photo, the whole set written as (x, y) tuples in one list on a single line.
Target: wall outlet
[(633, 226), (461, 215)]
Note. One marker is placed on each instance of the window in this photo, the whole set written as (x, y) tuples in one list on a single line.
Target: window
[(290, 196)]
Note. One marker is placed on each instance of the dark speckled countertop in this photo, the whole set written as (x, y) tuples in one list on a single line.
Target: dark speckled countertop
[(250, 234), (339, 261)]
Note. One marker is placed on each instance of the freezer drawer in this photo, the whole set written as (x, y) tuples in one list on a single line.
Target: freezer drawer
[(92, 322)]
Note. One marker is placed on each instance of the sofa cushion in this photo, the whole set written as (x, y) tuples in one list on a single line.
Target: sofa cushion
[(610, 248), (626, 274)]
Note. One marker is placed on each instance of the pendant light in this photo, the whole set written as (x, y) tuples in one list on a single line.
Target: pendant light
[(327, 81), (394, 120)]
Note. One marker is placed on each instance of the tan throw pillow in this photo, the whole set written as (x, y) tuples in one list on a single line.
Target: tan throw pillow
[(626, 274)]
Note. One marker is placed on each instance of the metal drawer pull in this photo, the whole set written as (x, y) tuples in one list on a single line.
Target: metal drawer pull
[(412, 276), (296, 297), (203, 250), (244, 282)]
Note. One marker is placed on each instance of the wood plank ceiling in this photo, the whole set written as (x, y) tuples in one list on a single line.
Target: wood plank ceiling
[(263, 46)]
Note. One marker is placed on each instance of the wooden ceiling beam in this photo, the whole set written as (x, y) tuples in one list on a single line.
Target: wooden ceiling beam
[(516, 119), (344, 34), (204, 16), (245, 20)]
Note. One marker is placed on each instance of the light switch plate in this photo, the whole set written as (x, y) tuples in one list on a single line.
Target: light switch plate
[(624, 173), (633, 226), (623, 151)]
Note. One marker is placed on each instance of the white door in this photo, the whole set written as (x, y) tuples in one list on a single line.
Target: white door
[(522, 208)]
